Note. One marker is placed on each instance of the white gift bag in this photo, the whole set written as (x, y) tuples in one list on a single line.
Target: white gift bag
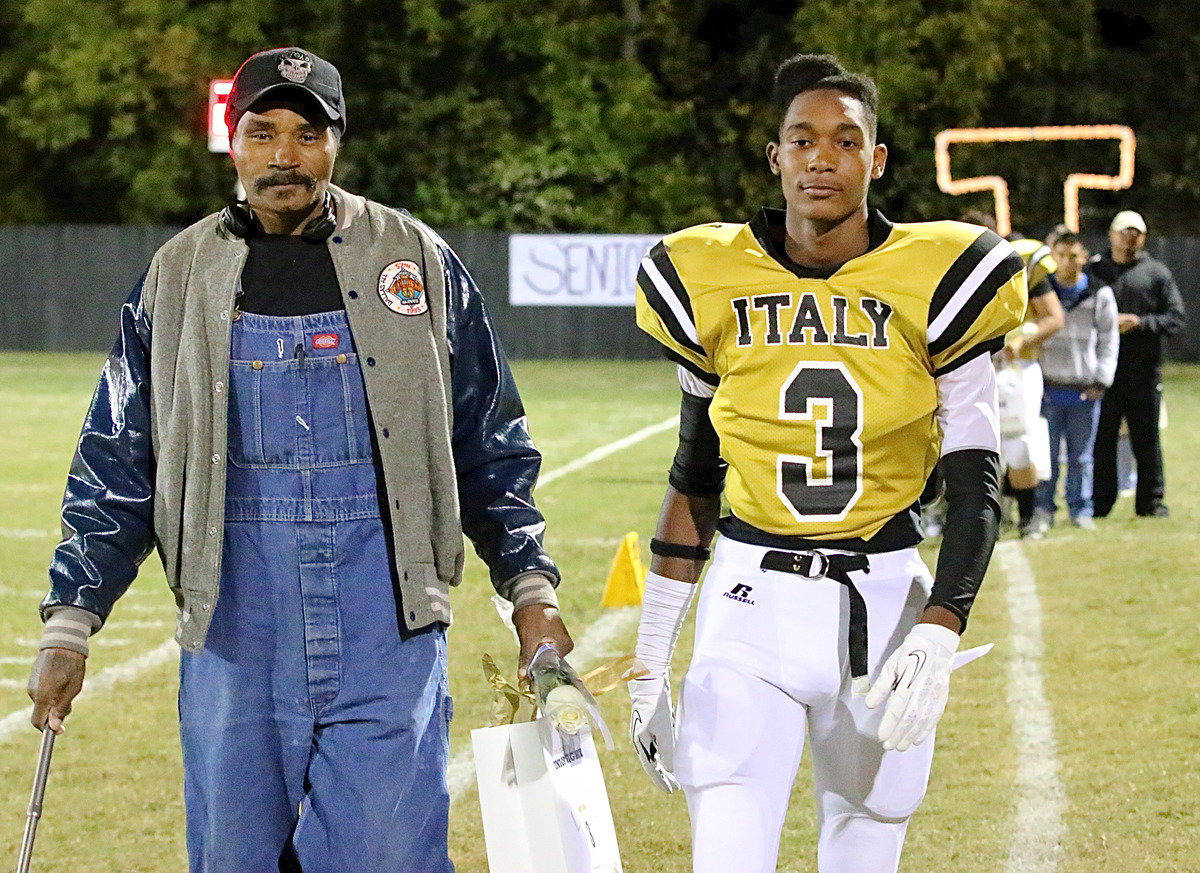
[(1039, 448), (545, 807), (1010, 393)]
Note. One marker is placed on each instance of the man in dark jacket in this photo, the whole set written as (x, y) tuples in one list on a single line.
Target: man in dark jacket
[(306, 408), (1149, 310)]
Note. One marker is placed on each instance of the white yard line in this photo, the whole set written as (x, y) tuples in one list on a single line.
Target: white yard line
[(165, 607), (29, 533), (139, 623), (599, 642), (1038, 830), (611, 448), (102, 683), (38, 592), (35, 488)]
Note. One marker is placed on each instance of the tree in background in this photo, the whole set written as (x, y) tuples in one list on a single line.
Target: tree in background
[(617, 115), (105, 108)]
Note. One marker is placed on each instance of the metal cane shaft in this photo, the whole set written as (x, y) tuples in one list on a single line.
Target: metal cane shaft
[(35, 800)]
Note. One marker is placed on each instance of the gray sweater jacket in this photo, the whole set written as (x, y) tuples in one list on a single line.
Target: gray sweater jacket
[(1084, 353), (150, 467)]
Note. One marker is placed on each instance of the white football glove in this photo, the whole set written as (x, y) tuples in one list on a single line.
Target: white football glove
[(652, 730), (915, 681)]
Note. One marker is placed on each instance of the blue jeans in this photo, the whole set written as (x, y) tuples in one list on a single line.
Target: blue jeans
[(1072, 420), (315, 732)]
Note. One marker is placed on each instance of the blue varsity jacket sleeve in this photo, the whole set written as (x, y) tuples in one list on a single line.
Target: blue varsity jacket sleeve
[(495, 459), (108, 506)]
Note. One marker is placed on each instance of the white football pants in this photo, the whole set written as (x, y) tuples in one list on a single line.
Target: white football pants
[(770, 661)]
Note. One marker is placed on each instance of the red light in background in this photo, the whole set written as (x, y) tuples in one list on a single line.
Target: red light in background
[(218, 96)]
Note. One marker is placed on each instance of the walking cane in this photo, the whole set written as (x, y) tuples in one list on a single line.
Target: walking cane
[(35, 801)]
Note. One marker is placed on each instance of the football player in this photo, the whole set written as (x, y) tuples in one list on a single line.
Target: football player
[(827, 357), (1025, 439)]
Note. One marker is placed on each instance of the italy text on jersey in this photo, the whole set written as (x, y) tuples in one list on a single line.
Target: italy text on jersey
[(826, 393)]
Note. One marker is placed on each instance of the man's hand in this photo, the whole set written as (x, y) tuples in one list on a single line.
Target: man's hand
[(536, 624), (1127, 321), (56, 679), (1093, 393), (915, 681), (652, 730)]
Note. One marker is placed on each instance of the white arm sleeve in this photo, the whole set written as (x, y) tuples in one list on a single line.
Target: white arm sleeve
[(693, 385), (967, 407), (664, 607)]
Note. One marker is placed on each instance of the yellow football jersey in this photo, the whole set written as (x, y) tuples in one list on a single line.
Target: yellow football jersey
[(1039, 263), (825, 395)]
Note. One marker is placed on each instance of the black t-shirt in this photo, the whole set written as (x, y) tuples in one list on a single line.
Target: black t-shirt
[(288, 275)]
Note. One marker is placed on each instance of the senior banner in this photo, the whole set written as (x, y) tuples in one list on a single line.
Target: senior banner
[(575, 269)]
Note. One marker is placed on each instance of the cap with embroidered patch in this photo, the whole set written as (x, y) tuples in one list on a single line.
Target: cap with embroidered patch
[(287, 69)]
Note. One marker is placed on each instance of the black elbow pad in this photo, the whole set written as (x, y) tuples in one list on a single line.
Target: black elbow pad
[(697, 468)]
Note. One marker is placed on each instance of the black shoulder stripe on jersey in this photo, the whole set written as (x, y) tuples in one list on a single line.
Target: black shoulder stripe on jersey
[(961, 269), (988, 347), (666, 267), (669, 319), (1000, 276), (703, 375)]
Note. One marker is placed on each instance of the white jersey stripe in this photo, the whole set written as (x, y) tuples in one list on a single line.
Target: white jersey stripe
[(967, 289), (668, 294), (692, 384)]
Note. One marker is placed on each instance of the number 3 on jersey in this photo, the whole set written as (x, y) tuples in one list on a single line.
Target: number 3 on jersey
[(827, 484)]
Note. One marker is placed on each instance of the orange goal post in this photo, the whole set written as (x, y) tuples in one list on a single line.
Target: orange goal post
[(999, 187)]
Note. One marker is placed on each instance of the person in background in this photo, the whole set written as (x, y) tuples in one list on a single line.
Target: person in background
[(1078, 364), (1044, 318), (1149, 310)]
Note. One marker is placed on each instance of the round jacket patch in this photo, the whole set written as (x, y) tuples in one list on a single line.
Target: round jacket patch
[(401, 288)]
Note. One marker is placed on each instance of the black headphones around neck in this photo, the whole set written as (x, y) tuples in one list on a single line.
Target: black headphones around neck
[(239, 219)]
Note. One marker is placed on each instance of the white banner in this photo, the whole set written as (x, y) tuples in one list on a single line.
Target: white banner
[(575, 270)]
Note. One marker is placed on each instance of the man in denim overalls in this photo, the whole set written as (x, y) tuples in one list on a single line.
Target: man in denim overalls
[(352, 452)]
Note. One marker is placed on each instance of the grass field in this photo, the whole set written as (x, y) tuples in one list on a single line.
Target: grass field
[(1121, 662)]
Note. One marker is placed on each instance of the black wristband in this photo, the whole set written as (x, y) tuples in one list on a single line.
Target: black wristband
[(664, 549)]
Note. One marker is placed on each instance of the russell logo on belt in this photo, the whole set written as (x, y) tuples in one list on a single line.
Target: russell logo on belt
[(401, 288)]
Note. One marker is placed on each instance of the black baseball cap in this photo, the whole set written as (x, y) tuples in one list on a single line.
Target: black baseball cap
[(287, 69)]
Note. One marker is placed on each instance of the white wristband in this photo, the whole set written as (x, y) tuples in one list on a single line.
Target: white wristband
[(664, 607)]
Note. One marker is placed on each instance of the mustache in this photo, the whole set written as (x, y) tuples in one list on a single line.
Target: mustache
[(291, 177)]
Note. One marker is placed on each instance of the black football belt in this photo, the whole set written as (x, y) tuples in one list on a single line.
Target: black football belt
[(817, 565)]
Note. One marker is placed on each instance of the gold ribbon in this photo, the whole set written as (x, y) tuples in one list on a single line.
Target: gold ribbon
[(608, 676), (506, 697), (508, 700)]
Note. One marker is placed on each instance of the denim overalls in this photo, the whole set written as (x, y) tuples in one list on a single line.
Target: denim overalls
[(307, 696)]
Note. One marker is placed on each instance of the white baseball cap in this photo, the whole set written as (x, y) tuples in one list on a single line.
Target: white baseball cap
[(1126, 219)]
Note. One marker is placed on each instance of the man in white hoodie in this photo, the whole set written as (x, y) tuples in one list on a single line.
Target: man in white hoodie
[(1078, 364)]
